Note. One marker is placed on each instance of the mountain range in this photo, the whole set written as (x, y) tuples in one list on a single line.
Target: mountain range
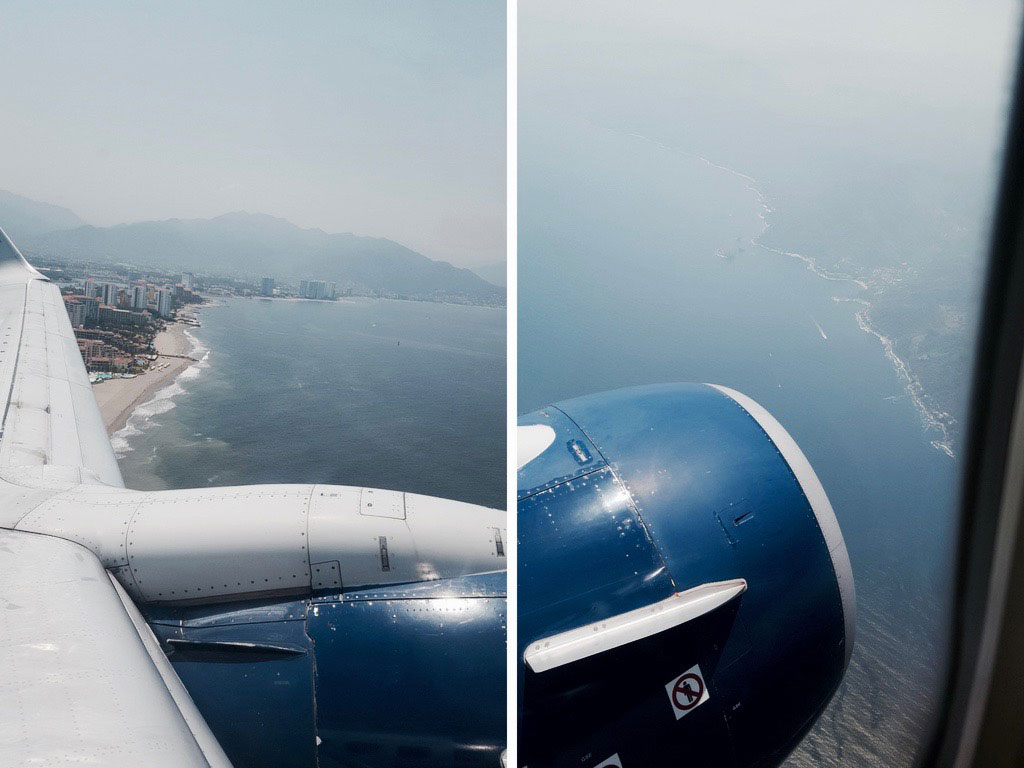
[(244, 245)]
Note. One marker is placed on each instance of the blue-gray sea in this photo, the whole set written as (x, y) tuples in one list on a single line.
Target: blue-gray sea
[(636, 267), (369, 392)]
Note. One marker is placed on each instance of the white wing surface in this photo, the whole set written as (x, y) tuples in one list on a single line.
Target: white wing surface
[(52, 433), (82, 679)]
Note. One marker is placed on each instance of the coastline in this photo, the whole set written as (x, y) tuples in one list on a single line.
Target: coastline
[(118, 398), (932, 418), (939, 421)]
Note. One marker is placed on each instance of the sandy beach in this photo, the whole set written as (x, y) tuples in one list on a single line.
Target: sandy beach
[(117, 398)]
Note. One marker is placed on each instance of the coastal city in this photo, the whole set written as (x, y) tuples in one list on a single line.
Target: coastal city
[(132, 324), (115, 325), (117, 314)]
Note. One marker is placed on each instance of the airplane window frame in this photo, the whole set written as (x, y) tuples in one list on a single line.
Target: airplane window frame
[(978, 722)]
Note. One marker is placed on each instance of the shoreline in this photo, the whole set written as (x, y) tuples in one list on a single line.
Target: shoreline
[(352, 298), (932, 419), (118, 398)]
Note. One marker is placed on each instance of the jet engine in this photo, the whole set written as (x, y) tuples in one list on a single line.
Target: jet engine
[(311, 624), (685, 593)]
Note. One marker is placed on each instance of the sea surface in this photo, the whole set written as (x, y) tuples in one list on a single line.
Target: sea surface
[(368, 392), (639, 264)]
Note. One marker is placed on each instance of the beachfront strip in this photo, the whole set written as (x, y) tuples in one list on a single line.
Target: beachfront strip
[(115, 324)]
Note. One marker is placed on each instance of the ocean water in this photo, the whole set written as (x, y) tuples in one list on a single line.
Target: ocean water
[(368, 392), (637, 266)]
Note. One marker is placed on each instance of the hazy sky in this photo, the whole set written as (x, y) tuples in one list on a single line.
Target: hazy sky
[(379, 118), (736, 79)]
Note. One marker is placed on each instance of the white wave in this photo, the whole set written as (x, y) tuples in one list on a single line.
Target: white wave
[(142, 418), (197, 348), (764, 211), (933, 420), (201, 353), (844, 299), (119, 440)]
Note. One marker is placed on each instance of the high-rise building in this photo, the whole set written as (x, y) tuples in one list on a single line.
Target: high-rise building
[(92, 308), (122, 317), (90, 288), (110, 294), (163, 303), (267, 286), (139, 297), (187, 279), (316, 289), (76, 312)]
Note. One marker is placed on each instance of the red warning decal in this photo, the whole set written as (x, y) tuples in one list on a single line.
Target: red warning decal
[(687, 692)]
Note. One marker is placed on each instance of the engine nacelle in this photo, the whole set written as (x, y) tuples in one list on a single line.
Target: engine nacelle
[(395, 675), (685, 594), (311, 624)]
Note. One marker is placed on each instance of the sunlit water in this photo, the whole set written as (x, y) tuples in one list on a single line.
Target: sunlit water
[(386, 394), (639, 269)]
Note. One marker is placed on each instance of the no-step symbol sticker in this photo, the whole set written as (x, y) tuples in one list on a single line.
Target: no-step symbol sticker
[(687, 692)]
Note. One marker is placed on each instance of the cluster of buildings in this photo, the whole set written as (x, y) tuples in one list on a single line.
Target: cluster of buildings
[(308, 289), (139, 297), (106, 351), (317, 289), (114, 323)]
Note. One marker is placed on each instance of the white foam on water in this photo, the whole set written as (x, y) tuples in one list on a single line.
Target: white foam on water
[(202, 354), (143, 417)]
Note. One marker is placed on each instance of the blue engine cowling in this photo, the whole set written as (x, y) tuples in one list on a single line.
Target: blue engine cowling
[(404, 675), (629, 497)]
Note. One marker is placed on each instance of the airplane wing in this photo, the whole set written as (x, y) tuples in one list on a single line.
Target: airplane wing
[(52, 433), (82, 678)]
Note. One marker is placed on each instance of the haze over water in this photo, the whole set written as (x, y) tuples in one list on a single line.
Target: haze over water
[(387, 394), (650, 277)]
